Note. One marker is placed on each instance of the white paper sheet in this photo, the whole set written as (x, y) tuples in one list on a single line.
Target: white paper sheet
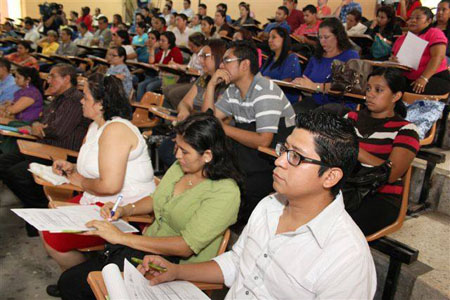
[(66, 218), (46, 173), (138, 287), (411, 51), (114, 283)]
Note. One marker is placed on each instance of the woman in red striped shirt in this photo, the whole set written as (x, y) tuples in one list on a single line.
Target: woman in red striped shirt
[(384, 134)]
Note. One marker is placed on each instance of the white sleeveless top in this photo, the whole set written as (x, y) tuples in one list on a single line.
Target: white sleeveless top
[(138, 182)]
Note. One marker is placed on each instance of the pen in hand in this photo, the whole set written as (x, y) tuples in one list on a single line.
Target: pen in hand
[(59, 168), (151, 265), (116, 205)]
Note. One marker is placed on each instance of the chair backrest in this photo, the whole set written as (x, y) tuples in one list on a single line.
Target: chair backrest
[(141, 115), (410, 98), (402, 213), (57, 194), (224, 243)]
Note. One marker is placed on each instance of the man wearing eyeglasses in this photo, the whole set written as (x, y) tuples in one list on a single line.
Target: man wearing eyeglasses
[(299, 243), (260, 111)]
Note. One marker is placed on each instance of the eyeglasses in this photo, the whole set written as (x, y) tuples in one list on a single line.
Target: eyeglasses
[(204, 55), (294, 158), (226, 61)]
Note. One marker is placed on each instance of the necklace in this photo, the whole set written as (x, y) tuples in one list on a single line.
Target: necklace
[(190, 182)]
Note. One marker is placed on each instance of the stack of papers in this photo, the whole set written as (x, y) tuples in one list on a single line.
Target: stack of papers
[(46, 173), (66, 218)]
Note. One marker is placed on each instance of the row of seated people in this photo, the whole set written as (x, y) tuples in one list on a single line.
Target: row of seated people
[(260, 110)]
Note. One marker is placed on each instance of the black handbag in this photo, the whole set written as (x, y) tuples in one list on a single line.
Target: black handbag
[(364, 182)]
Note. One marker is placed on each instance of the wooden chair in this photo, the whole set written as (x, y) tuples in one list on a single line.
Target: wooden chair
[(95, 278), (410, 98), (141, 117), (402, 214)]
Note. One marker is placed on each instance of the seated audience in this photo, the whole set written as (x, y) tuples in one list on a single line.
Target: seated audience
[(103, 36), (202, 10), (113, 161), (442, 22), (121, 39), (23, 57), (187, 10), (97, 15), (386, 29), (406, 7), (222, 26), (66, 47), (208, 29), (145, 11), (323, 10), (281, 64), (138, 18), (85, 37), (73, 18), (353, 25), (308, 245), (244, 16), (182, 31), (8, 85), (310, 27), (259, 110), (295, 18), (8, 32), (49, 44), (280, 21), (175, 92), (85, 18), (158, 24), (27, 103), (383, 134), (141, 37), (31, 33), (245, 35), (172, 23), (116, 57), (195, 202), (333, 44), (151, 47), (62, 124), (224, 7), (195, 23), (117, 19), (432, 77), (168, 52), (344, 8), (167, 12)]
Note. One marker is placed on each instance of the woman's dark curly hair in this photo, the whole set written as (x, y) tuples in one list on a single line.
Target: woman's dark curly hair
[(108, 89), (336, 28), (33, 75), (202, 131)]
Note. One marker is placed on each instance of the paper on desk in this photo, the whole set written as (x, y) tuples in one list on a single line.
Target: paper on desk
[(46, 173), (138, 287), (411, 51), (66, 218)]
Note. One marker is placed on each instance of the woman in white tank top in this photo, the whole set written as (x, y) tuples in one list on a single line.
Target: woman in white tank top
[(113, 161)]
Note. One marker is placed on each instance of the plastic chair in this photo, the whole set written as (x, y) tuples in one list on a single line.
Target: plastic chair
[(402, 214), (141, 117)]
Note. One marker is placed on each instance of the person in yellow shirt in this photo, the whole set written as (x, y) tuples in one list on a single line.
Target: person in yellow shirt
[(49, 44)]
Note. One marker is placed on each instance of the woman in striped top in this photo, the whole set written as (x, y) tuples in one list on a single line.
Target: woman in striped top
[(384, 134)]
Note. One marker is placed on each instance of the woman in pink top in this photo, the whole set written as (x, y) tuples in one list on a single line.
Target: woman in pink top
[(432, 77), (310, 27)]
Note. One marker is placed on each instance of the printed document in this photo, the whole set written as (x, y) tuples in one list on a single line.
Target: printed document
[(411, 51)]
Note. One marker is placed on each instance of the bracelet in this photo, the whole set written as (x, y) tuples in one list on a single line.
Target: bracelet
[(133, 206), (424, 78)]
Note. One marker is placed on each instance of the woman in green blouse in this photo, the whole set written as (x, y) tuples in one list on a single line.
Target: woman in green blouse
[(195, 202)]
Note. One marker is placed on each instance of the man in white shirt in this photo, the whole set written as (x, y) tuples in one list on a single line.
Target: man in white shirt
[(85, 37), (31, 33), (299, 243), (182, 32), (187, 9)]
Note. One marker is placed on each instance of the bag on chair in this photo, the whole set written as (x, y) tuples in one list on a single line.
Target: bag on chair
[(350, 76)]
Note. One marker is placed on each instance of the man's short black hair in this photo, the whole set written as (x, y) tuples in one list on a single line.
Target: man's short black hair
[(246, 50), (67, 70), (29, 22), (355, 13), (335, 142), (5, 63), (163, 20), (223, 5), (311, 8), (103, 19), (188, 1), (183, 16), (285, 9), (202, 5)]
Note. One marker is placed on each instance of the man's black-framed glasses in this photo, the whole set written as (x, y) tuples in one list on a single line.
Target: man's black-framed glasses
[(294, 158)]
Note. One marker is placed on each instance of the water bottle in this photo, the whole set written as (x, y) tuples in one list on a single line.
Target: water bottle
[(101, 41)]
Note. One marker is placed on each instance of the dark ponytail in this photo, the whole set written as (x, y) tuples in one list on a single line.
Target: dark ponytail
[(33, 75)]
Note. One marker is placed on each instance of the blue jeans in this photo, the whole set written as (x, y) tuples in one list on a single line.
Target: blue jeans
[(150, 84)]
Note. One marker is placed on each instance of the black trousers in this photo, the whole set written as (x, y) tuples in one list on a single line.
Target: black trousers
[(438, 84), (374, 214), (73, 283), (15, 175)]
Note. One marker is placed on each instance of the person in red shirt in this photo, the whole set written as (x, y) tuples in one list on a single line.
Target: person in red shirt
[(85, 17), (295, 18), (323, 9), (406, 7), (310, 27)]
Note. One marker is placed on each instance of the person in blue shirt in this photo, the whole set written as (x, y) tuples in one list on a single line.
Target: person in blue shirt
[(280, 21), (280, 64), (141, 37), (343, 9), (333, 44), (7, 83)]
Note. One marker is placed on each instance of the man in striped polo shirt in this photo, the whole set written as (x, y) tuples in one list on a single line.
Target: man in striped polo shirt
[(261, 114)]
